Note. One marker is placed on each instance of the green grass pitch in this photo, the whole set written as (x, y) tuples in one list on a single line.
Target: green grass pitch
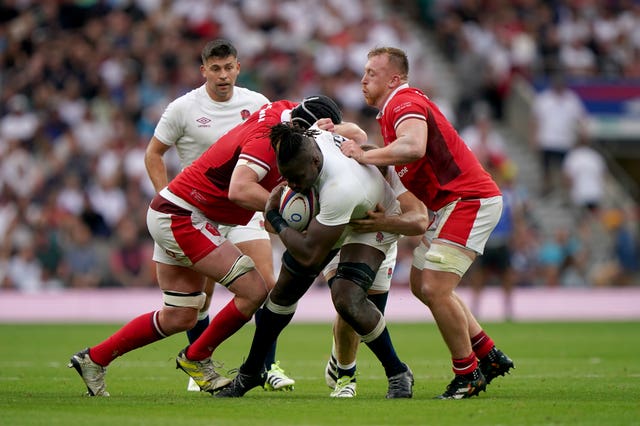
[(566, 374)]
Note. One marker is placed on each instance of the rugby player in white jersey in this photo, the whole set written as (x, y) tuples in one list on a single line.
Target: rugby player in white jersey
[(346, 191), (192, 123), (340, 372)]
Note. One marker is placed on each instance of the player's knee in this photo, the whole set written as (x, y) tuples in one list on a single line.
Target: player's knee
[(178, 299), (358, 273), (207, 303), (344, 302), (177, 319), (347, 298), (420, 291), (258, 295), (184, 310), (250, 291)]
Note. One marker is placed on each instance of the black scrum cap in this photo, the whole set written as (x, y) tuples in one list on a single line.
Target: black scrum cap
[(313, 108)]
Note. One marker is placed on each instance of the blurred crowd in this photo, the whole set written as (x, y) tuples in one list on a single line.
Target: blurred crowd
[(548, 43), (492, 41), (83, 83)]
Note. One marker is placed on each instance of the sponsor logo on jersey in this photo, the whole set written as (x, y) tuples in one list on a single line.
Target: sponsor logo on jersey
[(403, 172), (204, 121), (245, 113), (196, 195)]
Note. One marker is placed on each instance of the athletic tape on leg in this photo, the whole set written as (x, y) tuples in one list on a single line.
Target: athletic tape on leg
[(279, 309), (184, 300), (377, 331), (241, 266), (442, 257)]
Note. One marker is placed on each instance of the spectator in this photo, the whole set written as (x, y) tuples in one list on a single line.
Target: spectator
[(19, 170), (485, 141), (558, 121), (82, 267), (496, 265), (20, 124), (130, 258), (585, 170), (49, 253), (621, 266), (108, 198), (561, 260), (472, 72), (524, 257)]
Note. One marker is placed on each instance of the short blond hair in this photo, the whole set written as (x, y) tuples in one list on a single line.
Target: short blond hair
[(397, 57)]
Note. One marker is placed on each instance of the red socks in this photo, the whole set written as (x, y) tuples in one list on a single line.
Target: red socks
[(222, 326), (466, 365), (137, 333), (481, 344)]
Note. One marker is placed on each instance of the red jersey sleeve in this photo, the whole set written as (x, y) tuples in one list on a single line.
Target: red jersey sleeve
[(449, 170)]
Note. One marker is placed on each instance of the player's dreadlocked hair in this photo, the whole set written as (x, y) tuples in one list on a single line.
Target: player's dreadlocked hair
[(289, 141)]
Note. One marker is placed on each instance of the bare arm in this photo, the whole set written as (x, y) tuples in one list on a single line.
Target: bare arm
[(347, 129), (154, 162), (245, 189), (410, 145), (352, 131), (414, 219)]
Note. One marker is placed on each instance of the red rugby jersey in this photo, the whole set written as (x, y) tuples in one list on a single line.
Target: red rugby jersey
[(449, 170), (205, 183)]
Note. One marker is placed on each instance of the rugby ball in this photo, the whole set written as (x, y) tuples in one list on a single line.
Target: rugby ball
[(298, 209)]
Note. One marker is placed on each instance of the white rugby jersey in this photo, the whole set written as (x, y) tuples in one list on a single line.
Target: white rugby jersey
[(347, 189), (194, 121)]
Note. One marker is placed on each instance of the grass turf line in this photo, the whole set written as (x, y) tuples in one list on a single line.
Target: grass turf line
[(566, 374)]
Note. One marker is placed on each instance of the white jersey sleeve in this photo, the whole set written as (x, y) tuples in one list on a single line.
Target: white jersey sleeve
[(194, 121), (395, 182)]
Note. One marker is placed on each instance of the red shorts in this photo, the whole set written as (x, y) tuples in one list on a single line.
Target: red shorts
[(467, 223)]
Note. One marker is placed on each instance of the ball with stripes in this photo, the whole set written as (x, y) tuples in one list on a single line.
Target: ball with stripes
[(297, 208)]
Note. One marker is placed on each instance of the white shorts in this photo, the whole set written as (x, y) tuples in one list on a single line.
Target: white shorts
[(383, 241), (465, 223), (254, 230), (181, 232)]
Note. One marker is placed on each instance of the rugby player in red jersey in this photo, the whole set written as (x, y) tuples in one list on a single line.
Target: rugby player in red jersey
[(434, 163), (224, 186)]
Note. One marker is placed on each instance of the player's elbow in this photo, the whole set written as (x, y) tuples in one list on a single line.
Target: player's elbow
[(149, 159), (236, 194), (360, 136), (421, 224), (415, 152)]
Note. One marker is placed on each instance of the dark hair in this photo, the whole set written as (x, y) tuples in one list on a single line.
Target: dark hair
[(290, 141), (218, 48), (313, 108)]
